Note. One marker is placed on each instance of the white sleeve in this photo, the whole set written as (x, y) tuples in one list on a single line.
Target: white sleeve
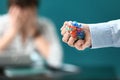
[(105, 34)]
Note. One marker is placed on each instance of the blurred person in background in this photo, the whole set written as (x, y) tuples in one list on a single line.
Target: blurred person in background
[(22, 31)]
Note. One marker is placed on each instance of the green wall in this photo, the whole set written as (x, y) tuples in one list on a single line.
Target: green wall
[(87, 11)]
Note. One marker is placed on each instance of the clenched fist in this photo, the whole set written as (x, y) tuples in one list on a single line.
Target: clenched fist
[(75, 42)]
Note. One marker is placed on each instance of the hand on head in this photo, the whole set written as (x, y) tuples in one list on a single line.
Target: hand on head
[(17, 18), (23, 19), (75, 42)]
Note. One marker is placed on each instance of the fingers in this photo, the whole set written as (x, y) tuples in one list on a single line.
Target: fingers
[(71, 41), (66, 37), (64, 25), (63, 29), (78, 45)]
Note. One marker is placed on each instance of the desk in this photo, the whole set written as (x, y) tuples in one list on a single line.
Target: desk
[(87, 73)]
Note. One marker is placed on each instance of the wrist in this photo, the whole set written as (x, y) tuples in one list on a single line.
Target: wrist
[(87, 34)]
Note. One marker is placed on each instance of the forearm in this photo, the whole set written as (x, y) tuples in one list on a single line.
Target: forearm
[(51, 51), (7, 38), (104, 35), (42, 46)]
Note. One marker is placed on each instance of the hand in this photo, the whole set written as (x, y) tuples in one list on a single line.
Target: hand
[(16, 23), (17, 18), (23, 20), (74, 42)]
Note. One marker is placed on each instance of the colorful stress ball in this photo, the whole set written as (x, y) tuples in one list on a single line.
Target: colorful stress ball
[(75, 29)]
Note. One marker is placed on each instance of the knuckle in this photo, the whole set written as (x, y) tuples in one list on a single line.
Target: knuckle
[(70, 44), (78, 44), (80, 48), (62, 33), (64, 40)]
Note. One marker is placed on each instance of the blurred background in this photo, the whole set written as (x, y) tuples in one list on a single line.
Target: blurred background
[(85, 11)]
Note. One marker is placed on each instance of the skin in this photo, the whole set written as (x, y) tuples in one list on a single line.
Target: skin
[(13, 30), (24, 21), (74, 42)]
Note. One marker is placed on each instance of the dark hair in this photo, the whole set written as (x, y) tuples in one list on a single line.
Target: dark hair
[(24, 3)]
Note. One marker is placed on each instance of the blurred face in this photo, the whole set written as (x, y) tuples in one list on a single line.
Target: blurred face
[(27, 15)]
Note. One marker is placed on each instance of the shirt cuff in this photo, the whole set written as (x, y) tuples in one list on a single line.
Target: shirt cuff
[(101, 35)]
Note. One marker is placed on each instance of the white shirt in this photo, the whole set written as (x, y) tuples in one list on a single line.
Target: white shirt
[(16, 45)]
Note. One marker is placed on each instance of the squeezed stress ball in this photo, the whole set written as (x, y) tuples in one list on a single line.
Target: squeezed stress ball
[(75, 29)]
